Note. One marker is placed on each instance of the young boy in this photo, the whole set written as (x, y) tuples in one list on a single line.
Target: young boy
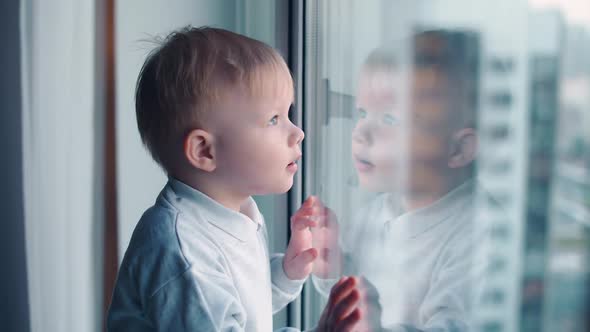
[(212, 108), (415, 241)]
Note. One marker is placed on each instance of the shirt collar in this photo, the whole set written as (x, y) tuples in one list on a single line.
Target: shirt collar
[(457, 201), (241, 225)]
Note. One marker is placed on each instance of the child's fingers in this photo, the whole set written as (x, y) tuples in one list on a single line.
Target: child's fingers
[(331, 255), (345, 287), (341, 289), (313, 201), (310, 201), (300, 223), (339, 283), (304, 258), (348, 323), (311, 211), (324, 216), (345, 307), (317, 218)]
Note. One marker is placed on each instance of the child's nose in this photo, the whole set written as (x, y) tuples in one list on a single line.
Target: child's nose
[(297, 136), (362, 134)]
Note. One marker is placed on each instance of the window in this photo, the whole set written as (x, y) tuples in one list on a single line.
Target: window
[(393, 91)]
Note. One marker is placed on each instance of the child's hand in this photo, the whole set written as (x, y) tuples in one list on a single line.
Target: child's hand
[(325, 239), (341, 313), (300, 254)]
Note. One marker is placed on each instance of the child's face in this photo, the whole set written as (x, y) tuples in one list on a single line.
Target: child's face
[(376, 137), (400, 141), (257, 146)]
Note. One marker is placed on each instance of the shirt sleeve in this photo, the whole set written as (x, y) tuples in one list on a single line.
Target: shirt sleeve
[(323, 286), (284, 290), (197, 301)]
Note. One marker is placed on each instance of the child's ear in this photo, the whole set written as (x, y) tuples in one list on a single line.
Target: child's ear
[(463, 148), (199, 150)]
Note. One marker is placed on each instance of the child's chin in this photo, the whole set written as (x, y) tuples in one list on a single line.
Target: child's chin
[(286, 187), (365, 182), (371, 184), (278, 188)]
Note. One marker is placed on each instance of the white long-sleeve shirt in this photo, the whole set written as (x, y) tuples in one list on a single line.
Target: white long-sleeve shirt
[(194, 265), (422, 263)]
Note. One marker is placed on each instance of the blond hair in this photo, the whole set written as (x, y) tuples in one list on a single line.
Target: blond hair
[(183, 78)]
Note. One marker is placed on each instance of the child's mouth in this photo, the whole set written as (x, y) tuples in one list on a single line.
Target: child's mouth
[(292, 166), (363, 165)]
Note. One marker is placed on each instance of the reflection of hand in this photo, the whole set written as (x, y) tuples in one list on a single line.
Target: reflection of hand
[(341, 314), (299, 256), (369, 307), (325, 233)]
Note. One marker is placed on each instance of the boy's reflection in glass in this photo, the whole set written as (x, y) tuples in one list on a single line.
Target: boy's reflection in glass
[(415, 241)]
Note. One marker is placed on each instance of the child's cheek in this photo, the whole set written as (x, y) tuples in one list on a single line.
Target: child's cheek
[(388, 149), (427, 147)]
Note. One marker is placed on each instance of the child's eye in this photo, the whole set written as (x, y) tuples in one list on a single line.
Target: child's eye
[(274, 121), (361, 113), (390, 119)]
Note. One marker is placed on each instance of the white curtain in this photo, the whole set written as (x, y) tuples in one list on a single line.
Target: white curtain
[(62, 174)]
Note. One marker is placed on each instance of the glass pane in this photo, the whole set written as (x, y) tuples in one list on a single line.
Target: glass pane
[(449, 141)]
